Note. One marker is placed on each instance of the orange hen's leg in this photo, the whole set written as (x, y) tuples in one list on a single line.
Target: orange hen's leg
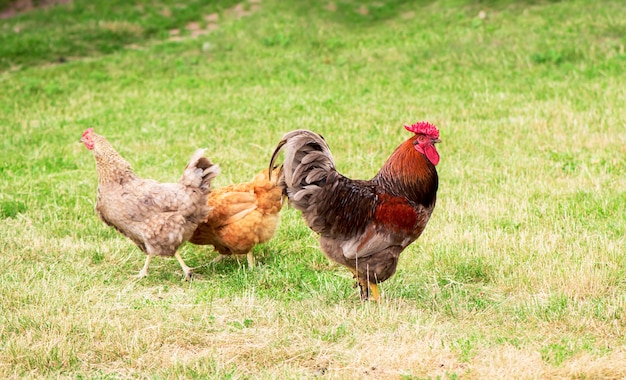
[(186, 269), (251, 262), (219, 258)]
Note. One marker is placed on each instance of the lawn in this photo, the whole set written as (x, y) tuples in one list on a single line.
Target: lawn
[(520, 272)]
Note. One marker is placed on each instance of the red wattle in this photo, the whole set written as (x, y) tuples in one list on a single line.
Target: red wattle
[(431, 153)]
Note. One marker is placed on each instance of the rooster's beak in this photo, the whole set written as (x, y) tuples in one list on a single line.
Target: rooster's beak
[(436, 141)]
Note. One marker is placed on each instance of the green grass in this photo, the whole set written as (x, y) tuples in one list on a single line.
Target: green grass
[(83, 28), (519, 274)]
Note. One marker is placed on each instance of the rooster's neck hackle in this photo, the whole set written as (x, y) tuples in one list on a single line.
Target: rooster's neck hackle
[(408, 172), (110, 165)]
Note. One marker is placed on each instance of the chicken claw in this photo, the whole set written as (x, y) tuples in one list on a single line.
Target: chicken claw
[(144, 271), (186, 270), (369, 291)]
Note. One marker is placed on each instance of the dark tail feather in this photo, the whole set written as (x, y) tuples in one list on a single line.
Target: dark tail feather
[(306, 165), (274, 156)]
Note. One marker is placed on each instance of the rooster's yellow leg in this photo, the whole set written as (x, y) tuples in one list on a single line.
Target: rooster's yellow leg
[(186, 269), (144, 271), (363, 285), (374, 294)]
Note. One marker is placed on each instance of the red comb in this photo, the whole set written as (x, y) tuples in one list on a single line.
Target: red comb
[(88, 131), (423, 128)]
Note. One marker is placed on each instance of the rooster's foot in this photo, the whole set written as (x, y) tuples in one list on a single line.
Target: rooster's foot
[(364, 291), (369, 292)]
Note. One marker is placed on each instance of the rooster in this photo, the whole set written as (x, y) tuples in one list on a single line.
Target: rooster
[(363, 224), (157, 217), (243, 216)]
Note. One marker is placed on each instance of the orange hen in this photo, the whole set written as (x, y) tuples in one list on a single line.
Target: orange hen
[(243, 215)]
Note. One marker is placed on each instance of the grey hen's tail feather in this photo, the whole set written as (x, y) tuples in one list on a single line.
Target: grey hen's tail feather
[(199, 172), (306, 165)]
